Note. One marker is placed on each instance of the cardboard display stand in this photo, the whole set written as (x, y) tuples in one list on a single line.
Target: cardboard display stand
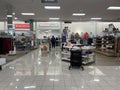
[(44, 46)]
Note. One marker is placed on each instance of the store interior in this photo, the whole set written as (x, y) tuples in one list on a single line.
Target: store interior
[(51, 44), (103, 36)]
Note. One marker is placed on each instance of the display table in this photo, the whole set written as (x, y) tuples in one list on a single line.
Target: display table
[(82, 47), (2, 62), (87, 57)]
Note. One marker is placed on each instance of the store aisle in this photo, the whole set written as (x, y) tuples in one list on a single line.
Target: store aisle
[(48, 72)]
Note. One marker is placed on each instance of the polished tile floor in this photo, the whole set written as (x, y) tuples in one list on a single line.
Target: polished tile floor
[(47, 72)]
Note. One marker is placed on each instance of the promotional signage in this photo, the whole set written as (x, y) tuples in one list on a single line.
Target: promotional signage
[(49, 1), (44, 48), (22, 26)]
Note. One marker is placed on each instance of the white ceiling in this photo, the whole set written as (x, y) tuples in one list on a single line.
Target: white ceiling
[(92, 8)]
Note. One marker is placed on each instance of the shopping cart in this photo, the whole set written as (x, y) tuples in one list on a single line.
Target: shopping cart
[(76, 58)]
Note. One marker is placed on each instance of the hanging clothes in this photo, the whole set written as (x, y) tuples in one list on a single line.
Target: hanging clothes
[(81, 41), (90, 41), (86, 35)]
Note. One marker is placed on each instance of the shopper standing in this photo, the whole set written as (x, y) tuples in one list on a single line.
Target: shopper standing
[(56, 41), (53, 41)]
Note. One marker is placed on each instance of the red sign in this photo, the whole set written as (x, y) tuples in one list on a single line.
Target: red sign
[(22, 26)]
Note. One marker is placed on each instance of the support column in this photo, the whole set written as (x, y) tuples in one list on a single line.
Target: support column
[(33, 36), (31, 25), (9, 17)]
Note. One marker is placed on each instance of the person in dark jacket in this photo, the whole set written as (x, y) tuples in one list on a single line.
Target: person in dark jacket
[(53, 41)]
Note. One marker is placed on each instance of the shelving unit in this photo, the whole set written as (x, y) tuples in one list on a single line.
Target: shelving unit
[(98, 42), (106, 45)]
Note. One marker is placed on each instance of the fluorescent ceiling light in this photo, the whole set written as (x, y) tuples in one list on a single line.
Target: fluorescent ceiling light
[(13, 13), (15, 18), (78, 14), (54, 80), (52, 7), (29, 87), (96, 18), (9, 15), (54, 18), (28, 13), (114, 8), (96, 80)]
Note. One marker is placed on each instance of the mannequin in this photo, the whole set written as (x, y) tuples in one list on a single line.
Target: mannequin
[(91, 35), (86, 36), (64, 34), (82, 34), (90, 39)]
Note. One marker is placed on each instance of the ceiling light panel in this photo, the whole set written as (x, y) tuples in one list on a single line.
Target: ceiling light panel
[(114, 8), (52, 7), (15, 18), (96, 18), (28, 13), (9, 15), (54, 18), (78, 14)]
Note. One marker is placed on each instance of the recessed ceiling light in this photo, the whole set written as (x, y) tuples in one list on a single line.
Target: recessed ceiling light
[(15, 18), (28, 13), (9, 15), (114, 8), (78, 14), (29, 87), (96, 18), (52, 7), (13, 13), (54, 18)]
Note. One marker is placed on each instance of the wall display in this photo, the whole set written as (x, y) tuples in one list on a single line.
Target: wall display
[(23, 40), (107, 44)]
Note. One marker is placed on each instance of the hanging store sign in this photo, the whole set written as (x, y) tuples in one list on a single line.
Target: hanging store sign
[(48, 25), (22, 26), (49, 1)]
